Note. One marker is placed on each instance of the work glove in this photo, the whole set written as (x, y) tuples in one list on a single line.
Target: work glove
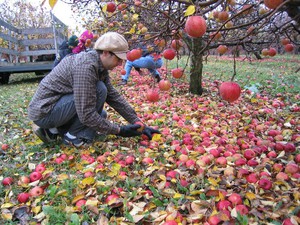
[(130, 130), (149, 131)]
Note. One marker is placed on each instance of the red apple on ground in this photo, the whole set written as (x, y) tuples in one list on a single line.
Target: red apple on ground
[(152, 95), (23, 197), (36, 191), (265, 184), (4, 147), (235, 199), (111, 198), (147, 160), (195, 26), (172, 174), (80, 203), (249, 154), (230, 91), (291, 168), (213, 220), (242, 209), (40, 168), (34, 176), (7, 181), (170, 222), (223, 204), (23, 180)]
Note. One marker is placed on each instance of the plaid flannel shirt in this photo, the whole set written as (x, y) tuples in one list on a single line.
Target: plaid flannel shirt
[(78, 74)]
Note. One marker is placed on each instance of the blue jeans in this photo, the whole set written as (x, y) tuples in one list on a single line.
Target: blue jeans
[(63, 116), (143, 62)]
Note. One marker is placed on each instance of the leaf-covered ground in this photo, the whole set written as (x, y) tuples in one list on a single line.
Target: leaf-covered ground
[(213, 163)]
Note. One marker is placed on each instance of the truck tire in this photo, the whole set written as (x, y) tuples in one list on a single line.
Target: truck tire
[(4, 78)]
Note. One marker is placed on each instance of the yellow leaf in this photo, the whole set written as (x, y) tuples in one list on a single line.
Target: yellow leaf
[(62, 176), (162, 177), (7, 215), (36, 209), (250, 196), (115, 169), (104, 8), (77, 198), (214, 182), (62, 193), (92, 202), (190, 10), (88, 181), (7, 205), (52, 3), (177, 195), (156, 137)]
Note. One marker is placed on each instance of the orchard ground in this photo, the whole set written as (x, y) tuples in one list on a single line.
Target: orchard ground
[(214, 162)]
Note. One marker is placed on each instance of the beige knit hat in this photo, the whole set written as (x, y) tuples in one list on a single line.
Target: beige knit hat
[(112, 42)]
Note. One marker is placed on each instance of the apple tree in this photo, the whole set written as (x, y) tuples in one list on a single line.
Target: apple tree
[(202, 27)]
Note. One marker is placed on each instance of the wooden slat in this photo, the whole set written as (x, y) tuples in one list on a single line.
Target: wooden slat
[(27, 31), (8, 38), (8, 26), (38, 52), (8, 51), (45, 41)]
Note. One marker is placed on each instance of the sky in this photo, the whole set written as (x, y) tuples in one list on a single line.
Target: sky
[(61, 10)]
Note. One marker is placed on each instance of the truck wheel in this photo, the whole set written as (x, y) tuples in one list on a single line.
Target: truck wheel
[(4, 78)]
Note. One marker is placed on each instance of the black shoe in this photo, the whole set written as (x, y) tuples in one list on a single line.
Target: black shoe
[(157, 77), (123, 82), (77, 142), (45, 135)]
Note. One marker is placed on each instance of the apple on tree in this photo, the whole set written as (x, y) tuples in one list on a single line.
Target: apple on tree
[(230, 91), (195, 26)]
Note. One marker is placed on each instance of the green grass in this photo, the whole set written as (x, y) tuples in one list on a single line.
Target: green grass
[(268, 76)]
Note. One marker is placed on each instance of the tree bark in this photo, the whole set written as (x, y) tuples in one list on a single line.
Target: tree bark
[(196, 66)]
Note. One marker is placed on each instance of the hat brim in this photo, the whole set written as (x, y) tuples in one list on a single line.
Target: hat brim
[(121, 55)]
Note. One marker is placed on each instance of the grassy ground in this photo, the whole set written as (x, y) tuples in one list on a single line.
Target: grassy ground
[(179, 116)]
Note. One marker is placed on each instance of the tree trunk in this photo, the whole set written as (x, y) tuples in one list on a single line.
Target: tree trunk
[(196, 66)]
